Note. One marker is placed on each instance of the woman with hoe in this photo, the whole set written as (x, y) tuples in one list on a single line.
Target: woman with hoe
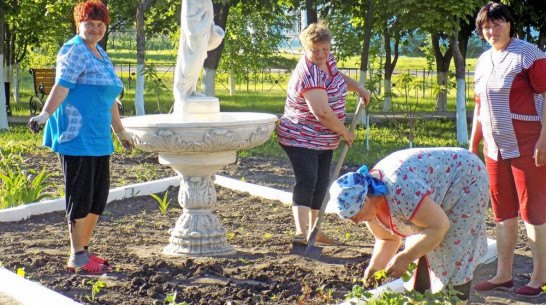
[(312, 125)]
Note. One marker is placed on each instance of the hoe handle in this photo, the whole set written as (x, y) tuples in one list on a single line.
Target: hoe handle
[(334, 176)]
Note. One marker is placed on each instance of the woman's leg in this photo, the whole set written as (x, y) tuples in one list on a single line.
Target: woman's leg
[(320, 190), (304, 163), (507, 234), (537, 242), (422, 277), (301, 218), (532, 193), (505, 205)]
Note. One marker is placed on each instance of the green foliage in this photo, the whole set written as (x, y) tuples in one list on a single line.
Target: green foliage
[(96, 287), (252, 37), (155, 84), (407, 297), (171, 299), (20, 186), (163, 202)]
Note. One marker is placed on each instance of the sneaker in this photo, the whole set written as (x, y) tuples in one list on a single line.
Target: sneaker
[(486, 286)]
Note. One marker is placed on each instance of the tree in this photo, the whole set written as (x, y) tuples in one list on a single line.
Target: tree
[(141, 51), (243, 46), (3, 114), (529, 15), (26, 26), (459, 42), (210, 66)]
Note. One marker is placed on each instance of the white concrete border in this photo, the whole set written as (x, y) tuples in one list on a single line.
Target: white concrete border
[(17, 287), (28, 292)]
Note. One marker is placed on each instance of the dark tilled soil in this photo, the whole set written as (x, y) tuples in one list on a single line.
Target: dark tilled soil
[(132, 234)]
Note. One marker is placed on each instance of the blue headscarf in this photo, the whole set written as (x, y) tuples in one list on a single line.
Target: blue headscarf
[(349, 191)]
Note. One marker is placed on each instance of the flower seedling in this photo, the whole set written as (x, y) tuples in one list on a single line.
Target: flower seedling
[(171, 299), (163, 203), (96, 287), (21, 272)]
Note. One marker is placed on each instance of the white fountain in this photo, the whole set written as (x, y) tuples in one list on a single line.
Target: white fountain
[(197, 140)]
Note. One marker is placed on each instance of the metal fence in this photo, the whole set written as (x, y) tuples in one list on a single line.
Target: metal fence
[(275, 79)]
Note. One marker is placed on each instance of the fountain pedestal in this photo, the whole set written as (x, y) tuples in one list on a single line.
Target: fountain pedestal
[(196, 145)]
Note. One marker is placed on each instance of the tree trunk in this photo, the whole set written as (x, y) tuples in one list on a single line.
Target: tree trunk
[(442, 69), (365, 53), (15, 78), (208, 87), (141, 52), (212, 61), (104, 41), (462, 130), (3, 114), (311, 9), (459, 42), (390, 63)]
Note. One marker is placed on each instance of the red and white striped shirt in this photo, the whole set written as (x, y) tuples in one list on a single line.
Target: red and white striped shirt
[(298, 126), (509, 93)]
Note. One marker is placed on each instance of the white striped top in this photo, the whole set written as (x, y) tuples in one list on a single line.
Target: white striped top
[(509, 90)]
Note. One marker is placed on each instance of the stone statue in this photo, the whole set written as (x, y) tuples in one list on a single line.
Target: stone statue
[(198, 34)]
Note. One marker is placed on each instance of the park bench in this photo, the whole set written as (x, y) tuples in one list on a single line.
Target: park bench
[(44, 79)]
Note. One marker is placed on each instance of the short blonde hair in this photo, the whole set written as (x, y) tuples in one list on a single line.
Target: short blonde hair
[(315, 33)]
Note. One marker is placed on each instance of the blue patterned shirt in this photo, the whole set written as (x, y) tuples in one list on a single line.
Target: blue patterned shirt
[(81, 124)]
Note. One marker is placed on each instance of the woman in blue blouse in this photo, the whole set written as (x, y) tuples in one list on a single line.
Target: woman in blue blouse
[(79, 112)]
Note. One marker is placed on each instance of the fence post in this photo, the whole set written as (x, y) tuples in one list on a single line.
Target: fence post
[(129, 78), (424, 83)]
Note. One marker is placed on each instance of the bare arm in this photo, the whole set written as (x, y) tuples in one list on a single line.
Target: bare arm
[(540, 147), (117, 126), (355, 86), (317, 100), (385, 247), (435, 224), (476, 134), (55, 98)]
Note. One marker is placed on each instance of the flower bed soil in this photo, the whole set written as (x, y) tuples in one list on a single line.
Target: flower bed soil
[(132, 234)]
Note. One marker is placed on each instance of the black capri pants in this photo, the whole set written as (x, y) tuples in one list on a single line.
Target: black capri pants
[(312, 173), (87, 184)]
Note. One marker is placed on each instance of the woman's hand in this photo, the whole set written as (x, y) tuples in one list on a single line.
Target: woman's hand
[(364, 95), (398, 265), (370, 280), (349, 137), (540, 151)]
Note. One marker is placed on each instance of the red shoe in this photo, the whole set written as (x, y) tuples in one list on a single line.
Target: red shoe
[(99, 260), (486, 286), (530, 292), (90, 268)]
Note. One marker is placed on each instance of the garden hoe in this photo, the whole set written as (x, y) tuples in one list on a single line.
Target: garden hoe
[(310, 250)]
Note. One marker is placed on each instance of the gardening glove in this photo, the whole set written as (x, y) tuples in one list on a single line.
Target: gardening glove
[(126, 139), (36, 123)]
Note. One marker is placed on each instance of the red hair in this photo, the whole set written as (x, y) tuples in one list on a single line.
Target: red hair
[(91, 10)]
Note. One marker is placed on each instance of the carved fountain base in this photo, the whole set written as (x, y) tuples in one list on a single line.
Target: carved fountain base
[(198, 232), (196, 145)]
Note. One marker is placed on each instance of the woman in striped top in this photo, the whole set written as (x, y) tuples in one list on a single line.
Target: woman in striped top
[(312, 125), (510, 87)]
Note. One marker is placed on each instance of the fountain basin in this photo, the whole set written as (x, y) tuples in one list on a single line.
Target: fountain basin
[(211, 132), (196, 146)]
